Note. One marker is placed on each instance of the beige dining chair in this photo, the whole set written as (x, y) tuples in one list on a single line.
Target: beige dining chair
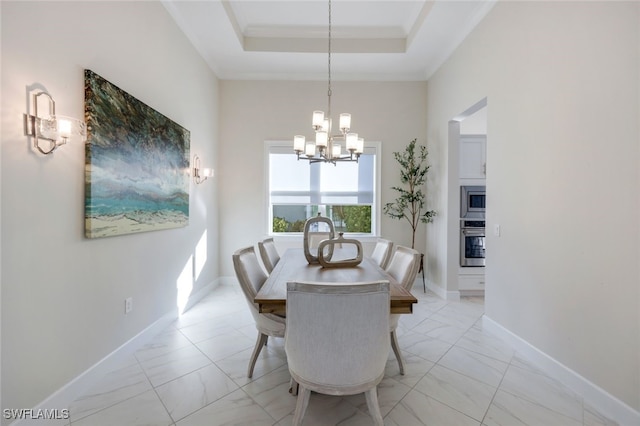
[(268, 254), (251, 277), (382, 252), (316, 237), (404, 267), (337, 340)]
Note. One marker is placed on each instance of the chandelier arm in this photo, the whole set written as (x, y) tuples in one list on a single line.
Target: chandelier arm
[(333, 160), (347, 158)]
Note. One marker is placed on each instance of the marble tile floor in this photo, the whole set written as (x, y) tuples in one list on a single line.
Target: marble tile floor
[(194, 374)]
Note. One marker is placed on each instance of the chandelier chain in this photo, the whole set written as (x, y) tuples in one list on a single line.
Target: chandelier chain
[(329, 65)]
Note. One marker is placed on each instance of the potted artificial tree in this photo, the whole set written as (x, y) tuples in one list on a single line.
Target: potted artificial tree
[(410, 204)]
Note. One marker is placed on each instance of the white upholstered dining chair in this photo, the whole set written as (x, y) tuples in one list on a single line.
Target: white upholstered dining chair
[(315, 238), (337, 340), (382, 252), (251, 277), (268, 253), (404, 267)]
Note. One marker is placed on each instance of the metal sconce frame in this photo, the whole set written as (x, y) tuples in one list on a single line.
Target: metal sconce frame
[(54, 129), (200, 174)]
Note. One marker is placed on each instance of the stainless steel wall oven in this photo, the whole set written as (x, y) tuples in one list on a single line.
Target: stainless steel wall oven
[(472, 233), (472, 247)]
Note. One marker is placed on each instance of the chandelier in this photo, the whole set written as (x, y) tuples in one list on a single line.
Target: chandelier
[(327, 147)]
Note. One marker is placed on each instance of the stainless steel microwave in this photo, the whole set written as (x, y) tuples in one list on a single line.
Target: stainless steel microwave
[(472, 202)]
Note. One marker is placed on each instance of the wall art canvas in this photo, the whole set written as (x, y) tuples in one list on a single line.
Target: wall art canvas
[(136, 167)]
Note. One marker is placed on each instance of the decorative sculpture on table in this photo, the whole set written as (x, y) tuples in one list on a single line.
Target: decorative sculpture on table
[(326, 245), (340, 263), (308, 233)]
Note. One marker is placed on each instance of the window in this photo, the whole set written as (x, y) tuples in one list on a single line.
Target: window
[(297, 190)]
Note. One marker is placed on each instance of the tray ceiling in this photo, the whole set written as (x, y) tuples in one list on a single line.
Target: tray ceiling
[(371, 39)]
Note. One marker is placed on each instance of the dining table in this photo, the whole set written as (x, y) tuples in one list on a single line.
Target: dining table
[(293, 267)]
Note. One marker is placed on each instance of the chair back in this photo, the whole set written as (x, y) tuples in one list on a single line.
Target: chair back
[(269, 254), (382, 252), (316, 237), (404, 266), (249, 273), (337, 335)]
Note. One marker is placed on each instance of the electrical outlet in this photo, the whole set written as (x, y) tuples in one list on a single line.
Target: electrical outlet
[(128, 305)]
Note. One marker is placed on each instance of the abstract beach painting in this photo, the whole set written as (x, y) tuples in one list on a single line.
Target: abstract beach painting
[(136, 166)]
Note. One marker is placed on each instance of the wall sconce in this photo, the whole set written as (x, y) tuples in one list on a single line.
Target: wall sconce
[(200, 174), (55, 129)]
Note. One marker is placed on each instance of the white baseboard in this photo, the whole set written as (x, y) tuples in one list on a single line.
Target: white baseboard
[(605, 403), (64, 396), (229, 280), (453, 296), (471, 293), (197, 296)]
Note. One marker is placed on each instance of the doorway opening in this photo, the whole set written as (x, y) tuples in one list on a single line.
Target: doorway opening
[(467, 175)]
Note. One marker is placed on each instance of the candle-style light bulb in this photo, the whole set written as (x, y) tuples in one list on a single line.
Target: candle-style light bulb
[(352, 141), (310, 149), (345, 122), (321, 139), (318, 119), (64, 128), (298, 143), (337, 150)]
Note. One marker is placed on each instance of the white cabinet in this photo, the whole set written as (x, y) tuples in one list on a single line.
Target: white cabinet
[(471, 282), (473, 156)]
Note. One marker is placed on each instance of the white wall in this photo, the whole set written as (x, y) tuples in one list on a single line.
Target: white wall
[(1, 405), (63, 295), (561, 81), (255, 111), (475, 124)]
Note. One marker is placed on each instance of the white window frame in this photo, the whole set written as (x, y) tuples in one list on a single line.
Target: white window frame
[(376, 208)]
